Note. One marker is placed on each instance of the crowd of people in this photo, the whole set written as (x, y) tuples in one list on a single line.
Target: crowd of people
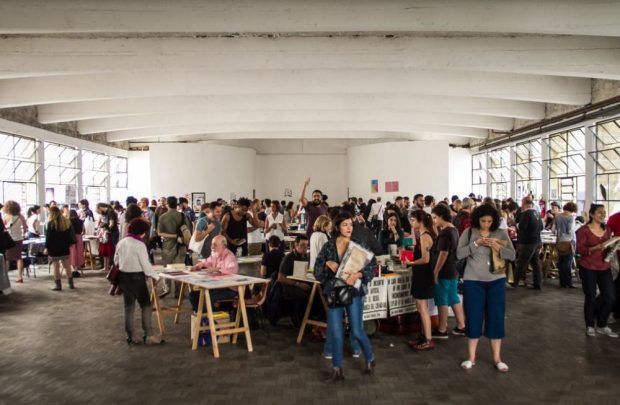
[(478, 247)]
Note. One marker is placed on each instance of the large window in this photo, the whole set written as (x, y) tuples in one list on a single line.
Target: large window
[(499, 172), (61, 173), (94, 177), (18, 169), (528, 168), (567, 163), (607, 158), (118, 179), (479, 174)]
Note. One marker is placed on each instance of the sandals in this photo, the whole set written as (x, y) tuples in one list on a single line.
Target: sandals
[(467, 365), (502, 367)]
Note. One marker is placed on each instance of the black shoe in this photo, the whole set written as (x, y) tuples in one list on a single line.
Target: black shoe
[(71, 285), (335, 376), (57, 286), (370, 368), (440, 335), (458, 332)]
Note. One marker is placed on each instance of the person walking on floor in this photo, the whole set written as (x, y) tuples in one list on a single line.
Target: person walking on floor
[(59, 236), (325, 269), (595, 272), (132, 258), (529, 229)]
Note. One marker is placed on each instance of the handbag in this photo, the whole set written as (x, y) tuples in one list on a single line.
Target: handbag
[(113, 277), (498, 265), (194, 245), (564, 248), (461, 264), (340, 295)]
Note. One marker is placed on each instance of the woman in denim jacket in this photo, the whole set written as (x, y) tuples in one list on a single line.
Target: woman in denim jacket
[(325, 268)]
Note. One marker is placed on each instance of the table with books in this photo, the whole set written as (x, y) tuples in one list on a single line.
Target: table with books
[(205, 281)]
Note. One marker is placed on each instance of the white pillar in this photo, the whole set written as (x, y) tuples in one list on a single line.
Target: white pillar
[(512, 188), (79, 182), (590, 146), (545, 190), (488, 159), (107, 180), (41, 174)]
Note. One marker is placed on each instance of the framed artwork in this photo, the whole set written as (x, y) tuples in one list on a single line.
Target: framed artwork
[(198, 199), (374, 186)]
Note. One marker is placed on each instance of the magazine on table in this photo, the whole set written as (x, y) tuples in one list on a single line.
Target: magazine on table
[(354, 260)]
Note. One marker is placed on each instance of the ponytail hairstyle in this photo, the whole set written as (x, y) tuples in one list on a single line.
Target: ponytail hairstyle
[(425, 219)]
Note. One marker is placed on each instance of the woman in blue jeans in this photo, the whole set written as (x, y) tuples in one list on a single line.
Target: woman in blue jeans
[(325, 268), (565, 232)]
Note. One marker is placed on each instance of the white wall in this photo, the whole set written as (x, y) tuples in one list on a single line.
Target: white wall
[(139, 168), (327, 173), (460, 172), (217, 170), (419, 167)]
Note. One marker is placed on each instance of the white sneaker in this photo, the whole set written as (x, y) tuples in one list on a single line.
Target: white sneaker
[(606, 331), (590, 331)]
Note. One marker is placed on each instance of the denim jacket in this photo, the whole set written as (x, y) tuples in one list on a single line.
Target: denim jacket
[(324, 274)]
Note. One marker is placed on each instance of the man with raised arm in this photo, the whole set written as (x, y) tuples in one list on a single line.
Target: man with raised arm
[(313, 208)]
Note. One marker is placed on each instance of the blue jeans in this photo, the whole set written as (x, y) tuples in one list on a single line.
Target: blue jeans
[(484, 303), (597, 308), (353, 344), (336, 337), (565, 264)]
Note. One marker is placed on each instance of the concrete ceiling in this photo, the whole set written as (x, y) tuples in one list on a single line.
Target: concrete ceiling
[(190, 70)]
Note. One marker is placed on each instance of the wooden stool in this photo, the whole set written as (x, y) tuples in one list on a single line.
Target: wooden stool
[(88, 255)]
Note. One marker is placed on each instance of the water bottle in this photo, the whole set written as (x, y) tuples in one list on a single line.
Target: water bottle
[(239, 251)]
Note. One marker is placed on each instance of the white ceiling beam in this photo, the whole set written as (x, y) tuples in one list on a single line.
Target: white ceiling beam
[(75, 111), (548, 55), (167, 120), (228, 16), (293, 129), (54, 89)]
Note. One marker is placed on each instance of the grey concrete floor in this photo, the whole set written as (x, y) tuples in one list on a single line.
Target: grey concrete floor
[(68, 348)]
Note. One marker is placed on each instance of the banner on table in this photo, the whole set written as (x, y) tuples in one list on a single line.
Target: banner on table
[(375, 302), (399, 298)]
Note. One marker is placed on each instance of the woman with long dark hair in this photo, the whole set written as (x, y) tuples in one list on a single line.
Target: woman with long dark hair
[(108, 233), (595, 272), (325, 269), (422, 279), (59, 237), (484, 287), (76, 251)]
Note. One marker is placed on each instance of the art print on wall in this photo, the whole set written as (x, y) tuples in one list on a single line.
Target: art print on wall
[(198, 199), (374, 186)]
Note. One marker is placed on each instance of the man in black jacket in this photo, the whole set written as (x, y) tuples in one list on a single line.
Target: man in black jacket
[(530, 226)]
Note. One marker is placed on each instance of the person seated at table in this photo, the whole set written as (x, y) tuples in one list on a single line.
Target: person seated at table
[(392, 234), (272, 259), (221, 260), (296, 291)]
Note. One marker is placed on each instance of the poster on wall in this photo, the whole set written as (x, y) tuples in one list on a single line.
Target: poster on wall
[(198, 199), (70, 194), (374, 186), (288, 192), (49, 194), (391, 186)]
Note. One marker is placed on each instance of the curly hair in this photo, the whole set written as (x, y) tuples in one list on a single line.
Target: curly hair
[(483, 211), (443, 212)]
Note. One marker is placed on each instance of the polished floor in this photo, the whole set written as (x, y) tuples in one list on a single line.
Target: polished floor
[(68, 348)]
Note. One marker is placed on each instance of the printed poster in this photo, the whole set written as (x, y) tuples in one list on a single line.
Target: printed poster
[(374, 186)]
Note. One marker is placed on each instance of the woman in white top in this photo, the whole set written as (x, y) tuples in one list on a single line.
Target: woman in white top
[(322, 229), (17, 226), (134, 265), (33, 221), (275, 223)]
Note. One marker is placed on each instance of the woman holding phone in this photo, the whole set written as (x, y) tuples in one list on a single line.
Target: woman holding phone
[(484, 293)]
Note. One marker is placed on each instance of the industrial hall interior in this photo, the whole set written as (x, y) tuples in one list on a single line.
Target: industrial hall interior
[(362, 202)]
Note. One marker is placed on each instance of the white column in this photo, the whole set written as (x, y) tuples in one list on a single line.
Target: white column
[(79, 182), (486, 155), (512, 189), (544, 151), (41, 174), (590, 146), (107, 180)]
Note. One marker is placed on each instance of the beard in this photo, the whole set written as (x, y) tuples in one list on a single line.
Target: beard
[(316, 202)]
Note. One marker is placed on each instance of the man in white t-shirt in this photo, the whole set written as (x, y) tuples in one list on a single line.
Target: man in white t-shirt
[(376, 216)]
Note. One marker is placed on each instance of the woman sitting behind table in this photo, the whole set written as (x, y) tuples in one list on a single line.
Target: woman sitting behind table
[(132, 259)]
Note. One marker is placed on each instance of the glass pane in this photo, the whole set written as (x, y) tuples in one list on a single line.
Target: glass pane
[(576, 164), (613, 187)]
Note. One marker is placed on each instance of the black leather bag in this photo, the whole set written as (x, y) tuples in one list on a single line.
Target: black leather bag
[(340, 295)]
